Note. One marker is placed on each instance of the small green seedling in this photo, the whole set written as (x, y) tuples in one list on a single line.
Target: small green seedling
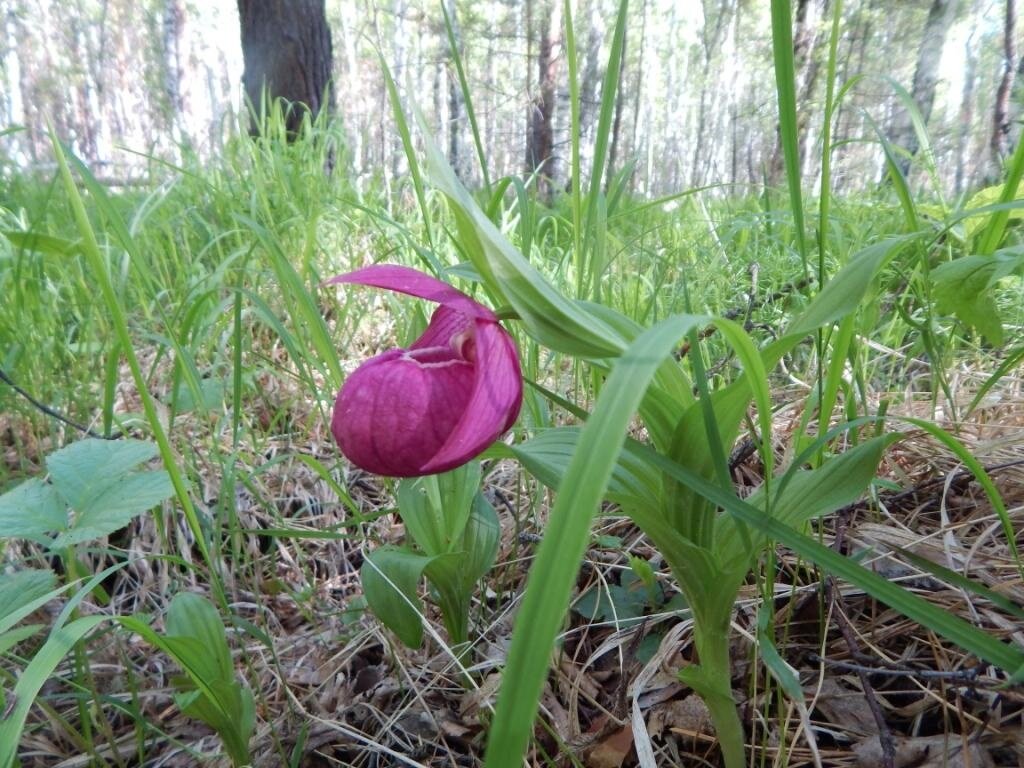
[(208, 691), (454, 533)]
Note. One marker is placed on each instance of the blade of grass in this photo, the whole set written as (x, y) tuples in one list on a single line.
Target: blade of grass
[(467, 98), (91, 249), (558, 557), (785, 82)]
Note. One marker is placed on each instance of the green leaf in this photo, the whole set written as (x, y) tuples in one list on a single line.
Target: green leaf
[(552, 319), (551, 577), (436, 508), (963, 286), (480, 541), (783, 673), (22, 588), (390, 577), (192, 616), (38, 671), (843, 293), (976, 641), (31, 511), (41, 243), (197, 642), (97, 478), (548, 455), (803, 494)]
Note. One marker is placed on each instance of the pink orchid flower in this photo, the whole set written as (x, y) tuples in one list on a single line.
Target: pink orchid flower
[(436, 405)]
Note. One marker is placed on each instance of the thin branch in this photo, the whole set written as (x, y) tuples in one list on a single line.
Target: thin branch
[(55, 413)]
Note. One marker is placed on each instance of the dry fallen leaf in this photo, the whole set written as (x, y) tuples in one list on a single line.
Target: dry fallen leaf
[(926, 752), (612, 750)]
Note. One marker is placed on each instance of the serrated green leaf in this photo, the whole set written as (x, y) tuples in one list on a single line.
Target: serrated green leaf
[(116, 505), (83, 469), (31, 511), (963, 287)]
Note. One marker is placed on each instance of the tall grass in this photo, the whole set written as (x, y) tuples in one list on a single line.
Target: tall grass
[(192, 312)]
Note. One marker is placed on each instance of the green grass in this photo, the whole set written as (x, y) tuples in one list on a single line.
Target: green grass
[(192, 312)]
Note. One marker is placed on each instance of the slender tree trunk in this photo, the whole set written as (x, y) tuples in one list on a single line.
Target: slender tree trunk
[(286, 45), (966, 118), (1000, 142), (541, 133), (926, 77), (455, 104)]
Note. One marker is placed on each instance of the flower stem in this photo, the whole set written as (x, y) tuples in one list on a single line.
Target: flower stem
[(716, 690)]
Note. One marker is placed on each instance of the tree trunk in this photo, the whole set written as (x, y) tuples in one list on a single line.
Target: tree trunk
[(1000, 142), (286, 45), (540, 139), (926, 77), (455, 102), (806, 65)]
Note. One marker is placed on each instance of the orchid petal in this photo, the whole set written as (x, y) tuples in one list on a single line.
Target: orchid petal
[(436, 405), (395, 412), (415, 283), (493, 405)]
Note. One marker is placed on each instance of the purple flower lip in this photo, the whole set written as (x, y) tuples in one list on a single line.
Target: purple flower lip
[(436, 405)]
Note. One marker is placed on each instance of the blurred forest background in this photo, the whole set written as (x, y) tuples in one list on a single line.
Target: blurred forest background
[(127, 81)]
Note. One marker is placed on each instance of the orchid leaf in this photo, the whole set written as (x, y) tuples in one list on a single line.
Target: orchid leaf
[(390, 578), (583, 485)]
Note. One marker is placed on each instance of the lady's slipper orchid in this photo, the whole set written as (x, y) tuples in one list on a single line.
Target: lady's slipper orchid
[(439, 403)]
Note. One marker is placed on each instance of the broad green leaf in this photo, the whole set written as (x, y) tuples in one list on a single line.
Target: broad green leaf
[(31, 511), (83, 470), (552, 319), (843, 293), (117, 505), (191, 615), (99, 481), (548, 455), (805, 494), (963, 286), (436, 508), (38, 671), (209, 691), (390, 577), (480, 541), (23, 588), (550, 581), (1006, 656)]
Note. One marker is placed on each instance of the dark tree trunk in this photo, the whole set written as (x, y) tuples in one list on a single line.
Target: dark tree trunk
[(286, 45), (1000, 142), (540, 138), (926, 77)]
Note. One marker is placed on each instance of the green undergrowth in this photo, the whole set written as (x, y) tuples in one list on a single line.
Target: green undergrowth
[(219, 270)]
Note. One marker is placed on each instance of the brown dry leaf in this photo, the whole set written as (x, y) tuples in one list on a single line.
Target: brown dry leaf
[(689, 716), (842, 706), (478, 698), (611, 751), (925, 752)]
